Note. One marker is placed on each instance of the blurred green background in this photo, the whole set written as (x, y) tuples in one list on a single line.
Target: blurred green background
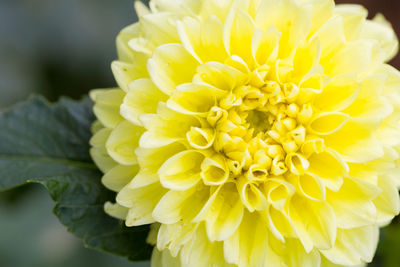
[(64, 47)]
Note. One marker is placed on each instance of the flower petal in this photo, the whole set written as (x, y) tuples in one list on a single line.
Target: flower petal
[(123, 141), (340, 93), (353, 205), (178, 206), (127, 54), (291, 19), (355, 141), (99, 153), (194, 98), (238, 33), (116, 210), (329, 167), (328, 123), (150, 160), (181, 171), (119, 176), (166, 127), (170, 66), (353, 57), (265, 45), (220, 76), (225, 214), (173, 237), (201, 252), (164, 259), (331, 37), (125, 73), (251, 195), (106, 106), (158, 29), (370, 103), (203, 40), (142, 98), (214, 170), (314, 223), (380, 29), (245, 248), (353, 246), (311, 187), (141, 202), (353, 17), (388, 203)]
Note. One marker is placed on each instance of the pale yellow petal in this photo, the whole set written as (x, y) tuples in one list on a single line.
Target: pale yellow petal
[(200, 252), (311, 187), (291, 19), (220, 76), (214, 170), (206, 46), (353, 204), (353, 246), (99, 153), (314, 222), (370, 102), (354, 17), (125, 73), (328, 123), (355, 141), (278, 192), (331, 37), (119, 176), (179, 206), (141, 203), (194, 98), (279, 224), (329, 167), (173, 237), (159, 28), (106, 107), (306, 60), (166, 127), (123, 141), (388, 203), (245, 248), (142, 98), (116, 210), (353, 57), (150, 160), (252, 197), (340, 93), (238, 33), (127, 54), (164, 259), (181, 171), (218, 8), (322, 11), (265, 45), (295, 255), (170, 66), (225, 214), (184, 7)]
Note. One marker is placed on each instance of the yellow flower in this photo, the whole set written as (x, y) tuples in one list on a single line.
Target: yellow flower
[(253, 133)]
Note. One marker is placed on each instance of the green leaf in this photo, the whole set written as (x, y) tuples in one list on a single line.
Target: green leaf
[(388, 248), (49, 144)]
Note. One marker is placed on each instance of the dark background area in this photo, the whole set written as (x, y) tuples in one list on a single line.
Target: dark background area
[(65, 47)]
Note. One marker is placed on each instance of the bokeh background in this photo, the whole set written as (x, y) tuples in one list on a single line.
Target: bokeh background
[(65, 47)]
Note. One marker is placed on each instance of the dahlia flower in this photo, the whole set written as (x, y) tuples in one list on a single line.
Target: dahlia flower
[(253, 133)]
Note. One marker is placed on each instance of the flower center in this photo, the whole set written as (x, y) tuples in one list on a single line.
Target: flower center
[(259, 121), (260, 130)]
